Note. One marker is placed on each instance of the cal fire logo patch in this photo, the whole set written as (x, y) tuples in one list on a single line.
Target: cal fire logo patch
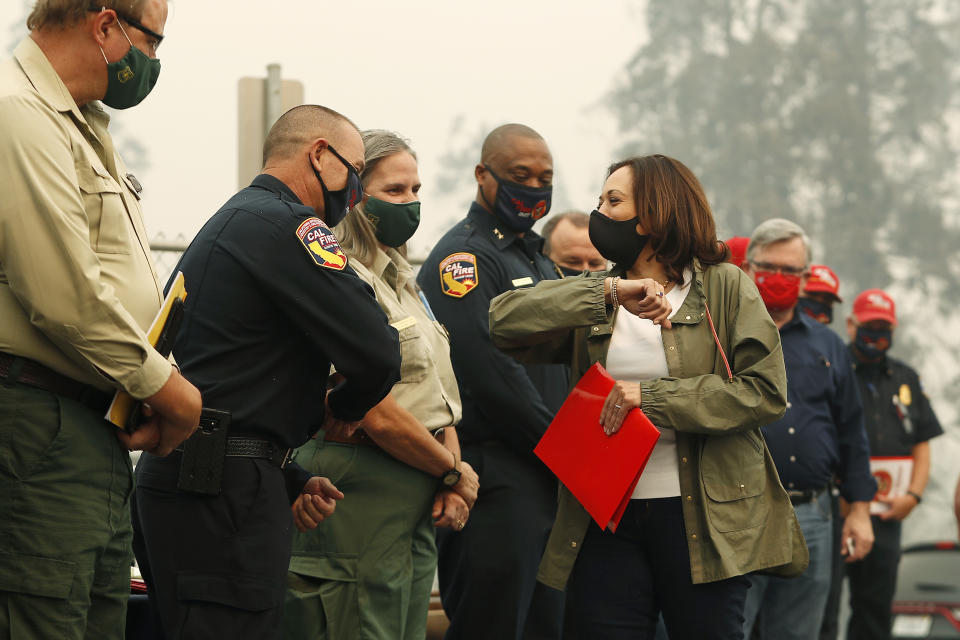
[(458, 274), (321, 244)]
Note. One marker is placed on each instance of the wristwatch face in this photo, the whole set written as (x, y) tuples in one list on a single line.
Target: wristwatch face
[(451, 477)]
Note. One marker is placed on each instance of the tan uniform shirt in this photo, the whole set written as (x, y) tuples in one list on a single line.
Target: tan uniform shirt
[(428, 386), (77, 283)]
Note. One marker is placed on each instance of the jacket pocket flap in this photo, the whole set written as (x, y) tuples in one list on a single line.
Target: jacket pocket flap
[(341, 567), (732, 467), (36, 575)]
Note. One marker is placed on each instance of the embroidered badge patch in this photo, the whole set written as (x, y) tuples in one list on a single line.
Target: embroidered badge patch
[(321, 244), (458, 274)]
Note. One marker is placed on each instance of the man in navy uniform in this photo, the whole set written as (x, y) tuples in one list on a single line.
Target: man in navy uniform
[(271, 304), (900, 422), (488, 570)]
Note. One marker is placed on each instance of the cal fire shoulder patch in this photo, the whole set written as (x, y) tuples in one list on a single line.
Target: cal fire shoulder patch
[(458, 274), (321, 244)]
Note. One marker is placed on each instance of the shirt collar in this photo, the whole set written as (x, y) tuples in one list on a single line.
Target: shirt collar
[(800, 320), (270, 183), (44, 77), (392, 268), (488, 225)]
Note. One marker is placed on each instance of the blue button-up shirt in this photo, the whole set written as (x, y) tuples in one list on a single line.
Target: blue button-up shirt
[(822, 435)]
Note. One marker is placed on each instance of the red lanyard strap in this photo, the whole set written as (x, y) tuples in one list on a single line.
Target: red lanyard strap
[(713, 330)]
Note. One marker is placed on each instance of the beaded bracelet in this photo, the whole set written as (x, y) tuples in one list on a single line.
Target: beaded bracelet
[(613, 292)]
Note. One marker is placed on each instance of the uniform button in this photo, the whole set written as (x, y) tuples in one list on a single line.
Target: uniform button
[(789, 404), (743, 486), (596, 329), (694, 536), (689, 498), (791, 431), (573, 544), (688, 317), (790, 485), (671, 348), (793, 458), (683, 460)]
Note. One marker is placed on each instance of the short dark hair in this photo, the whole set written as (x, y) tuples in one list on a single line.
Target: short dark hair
[(578, 219), (673, 208), (300, 125), (496, 139)]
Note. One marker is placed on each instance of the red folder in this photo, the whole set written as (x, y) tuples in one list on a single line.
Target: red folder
[(601, 471)]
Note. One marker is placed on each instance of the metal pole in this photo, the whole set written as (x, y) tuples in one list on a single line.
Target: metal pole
[(272, 102)]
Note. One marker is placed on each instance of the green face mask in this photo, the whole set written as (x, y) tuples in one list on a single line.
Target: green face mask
[(130, 78), (394, 223)]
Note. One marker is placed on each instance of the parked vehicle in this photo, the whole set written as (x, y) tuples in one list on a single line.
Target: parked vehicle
[(927, 601)]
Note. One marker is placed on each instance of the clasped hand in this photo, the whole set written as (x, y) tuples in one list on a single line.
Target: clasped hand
[(315, 504), (645, 298)]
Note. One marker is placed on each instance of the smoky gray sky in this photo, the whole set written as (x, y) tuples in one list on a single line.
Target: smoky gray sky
[(412, 67)]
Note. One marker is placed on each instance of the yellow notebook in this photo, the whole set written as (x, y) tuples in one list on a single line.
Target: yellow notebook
[(123, 405)]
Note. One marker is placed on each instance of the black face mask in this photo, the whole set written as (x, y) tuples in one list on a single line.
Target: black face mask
[(337, 203), (616, 240), (518, 206), (569, 272), (873, 344), (819, 311)]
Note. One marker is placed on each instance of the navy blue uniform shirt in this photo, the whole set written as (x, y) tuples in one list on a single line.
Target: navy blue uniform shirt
[(267, 311), (474, 262), (821, 436), (896, 411)]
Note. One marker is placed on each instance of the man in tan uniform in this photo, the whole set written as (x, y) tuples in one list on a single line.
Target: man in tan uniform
[(77, 291)]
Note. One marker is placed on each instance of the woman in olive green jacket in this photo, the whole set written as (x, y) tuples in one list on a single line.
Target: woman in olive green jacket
[(710, 507)]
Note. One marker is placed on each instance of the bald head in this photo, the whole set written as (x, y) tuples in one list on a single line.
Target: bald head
[(501, 139), (300, 126)]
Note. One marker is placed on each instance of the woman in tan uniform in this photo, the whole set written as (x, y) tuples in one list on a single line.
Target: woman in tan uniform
[(368, 572)]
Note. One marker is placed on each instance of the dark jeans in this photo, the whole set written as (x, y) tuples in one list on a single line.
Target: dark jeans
[(873, 582), (622, 581)]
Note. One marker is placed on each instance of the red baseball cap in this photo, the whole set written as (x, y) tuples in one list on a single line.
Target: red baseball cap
[(874, 304), (738, 250), (822, 279)]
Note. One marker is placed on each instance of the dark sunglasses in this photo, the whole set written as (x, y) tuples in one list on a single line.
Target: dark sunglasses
[(133, 23)]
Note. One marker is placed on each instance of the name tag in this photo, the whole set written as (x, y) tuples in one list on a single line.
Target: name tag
[(404, 323), (523, 282)]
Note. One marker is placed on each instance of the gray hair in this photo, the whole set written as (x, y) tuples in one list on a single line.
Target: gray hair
[(356, 233), (776, 230), (61, 13)]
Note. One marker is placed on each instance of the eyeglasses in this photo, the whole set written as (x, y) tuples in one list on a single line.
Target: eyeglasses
[(779, 268), (157, 37)]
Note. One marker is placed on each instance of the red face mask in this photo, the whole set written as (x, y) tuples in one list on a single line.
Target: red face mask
[(779, 291)]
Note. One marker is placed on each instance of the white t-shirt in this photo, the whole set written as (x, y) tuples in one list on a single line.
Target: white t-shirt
[(636, 354)]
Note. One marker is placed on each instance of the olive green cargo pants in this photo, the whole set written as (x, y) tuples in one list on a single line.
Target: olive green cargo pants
[(367, 571), (65, 533)]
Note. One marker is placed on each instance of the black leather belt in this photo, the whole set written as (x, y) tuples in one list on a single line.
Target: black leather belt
[(255, 448), (16, 369), (805, 496)]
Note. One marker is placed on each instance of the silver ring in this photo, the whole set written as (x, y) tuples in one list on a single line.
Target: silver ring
[(617, 406)]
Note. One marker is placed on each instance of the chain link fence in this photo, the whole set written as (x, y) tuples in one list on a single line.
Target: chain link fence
[(166, 254)]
